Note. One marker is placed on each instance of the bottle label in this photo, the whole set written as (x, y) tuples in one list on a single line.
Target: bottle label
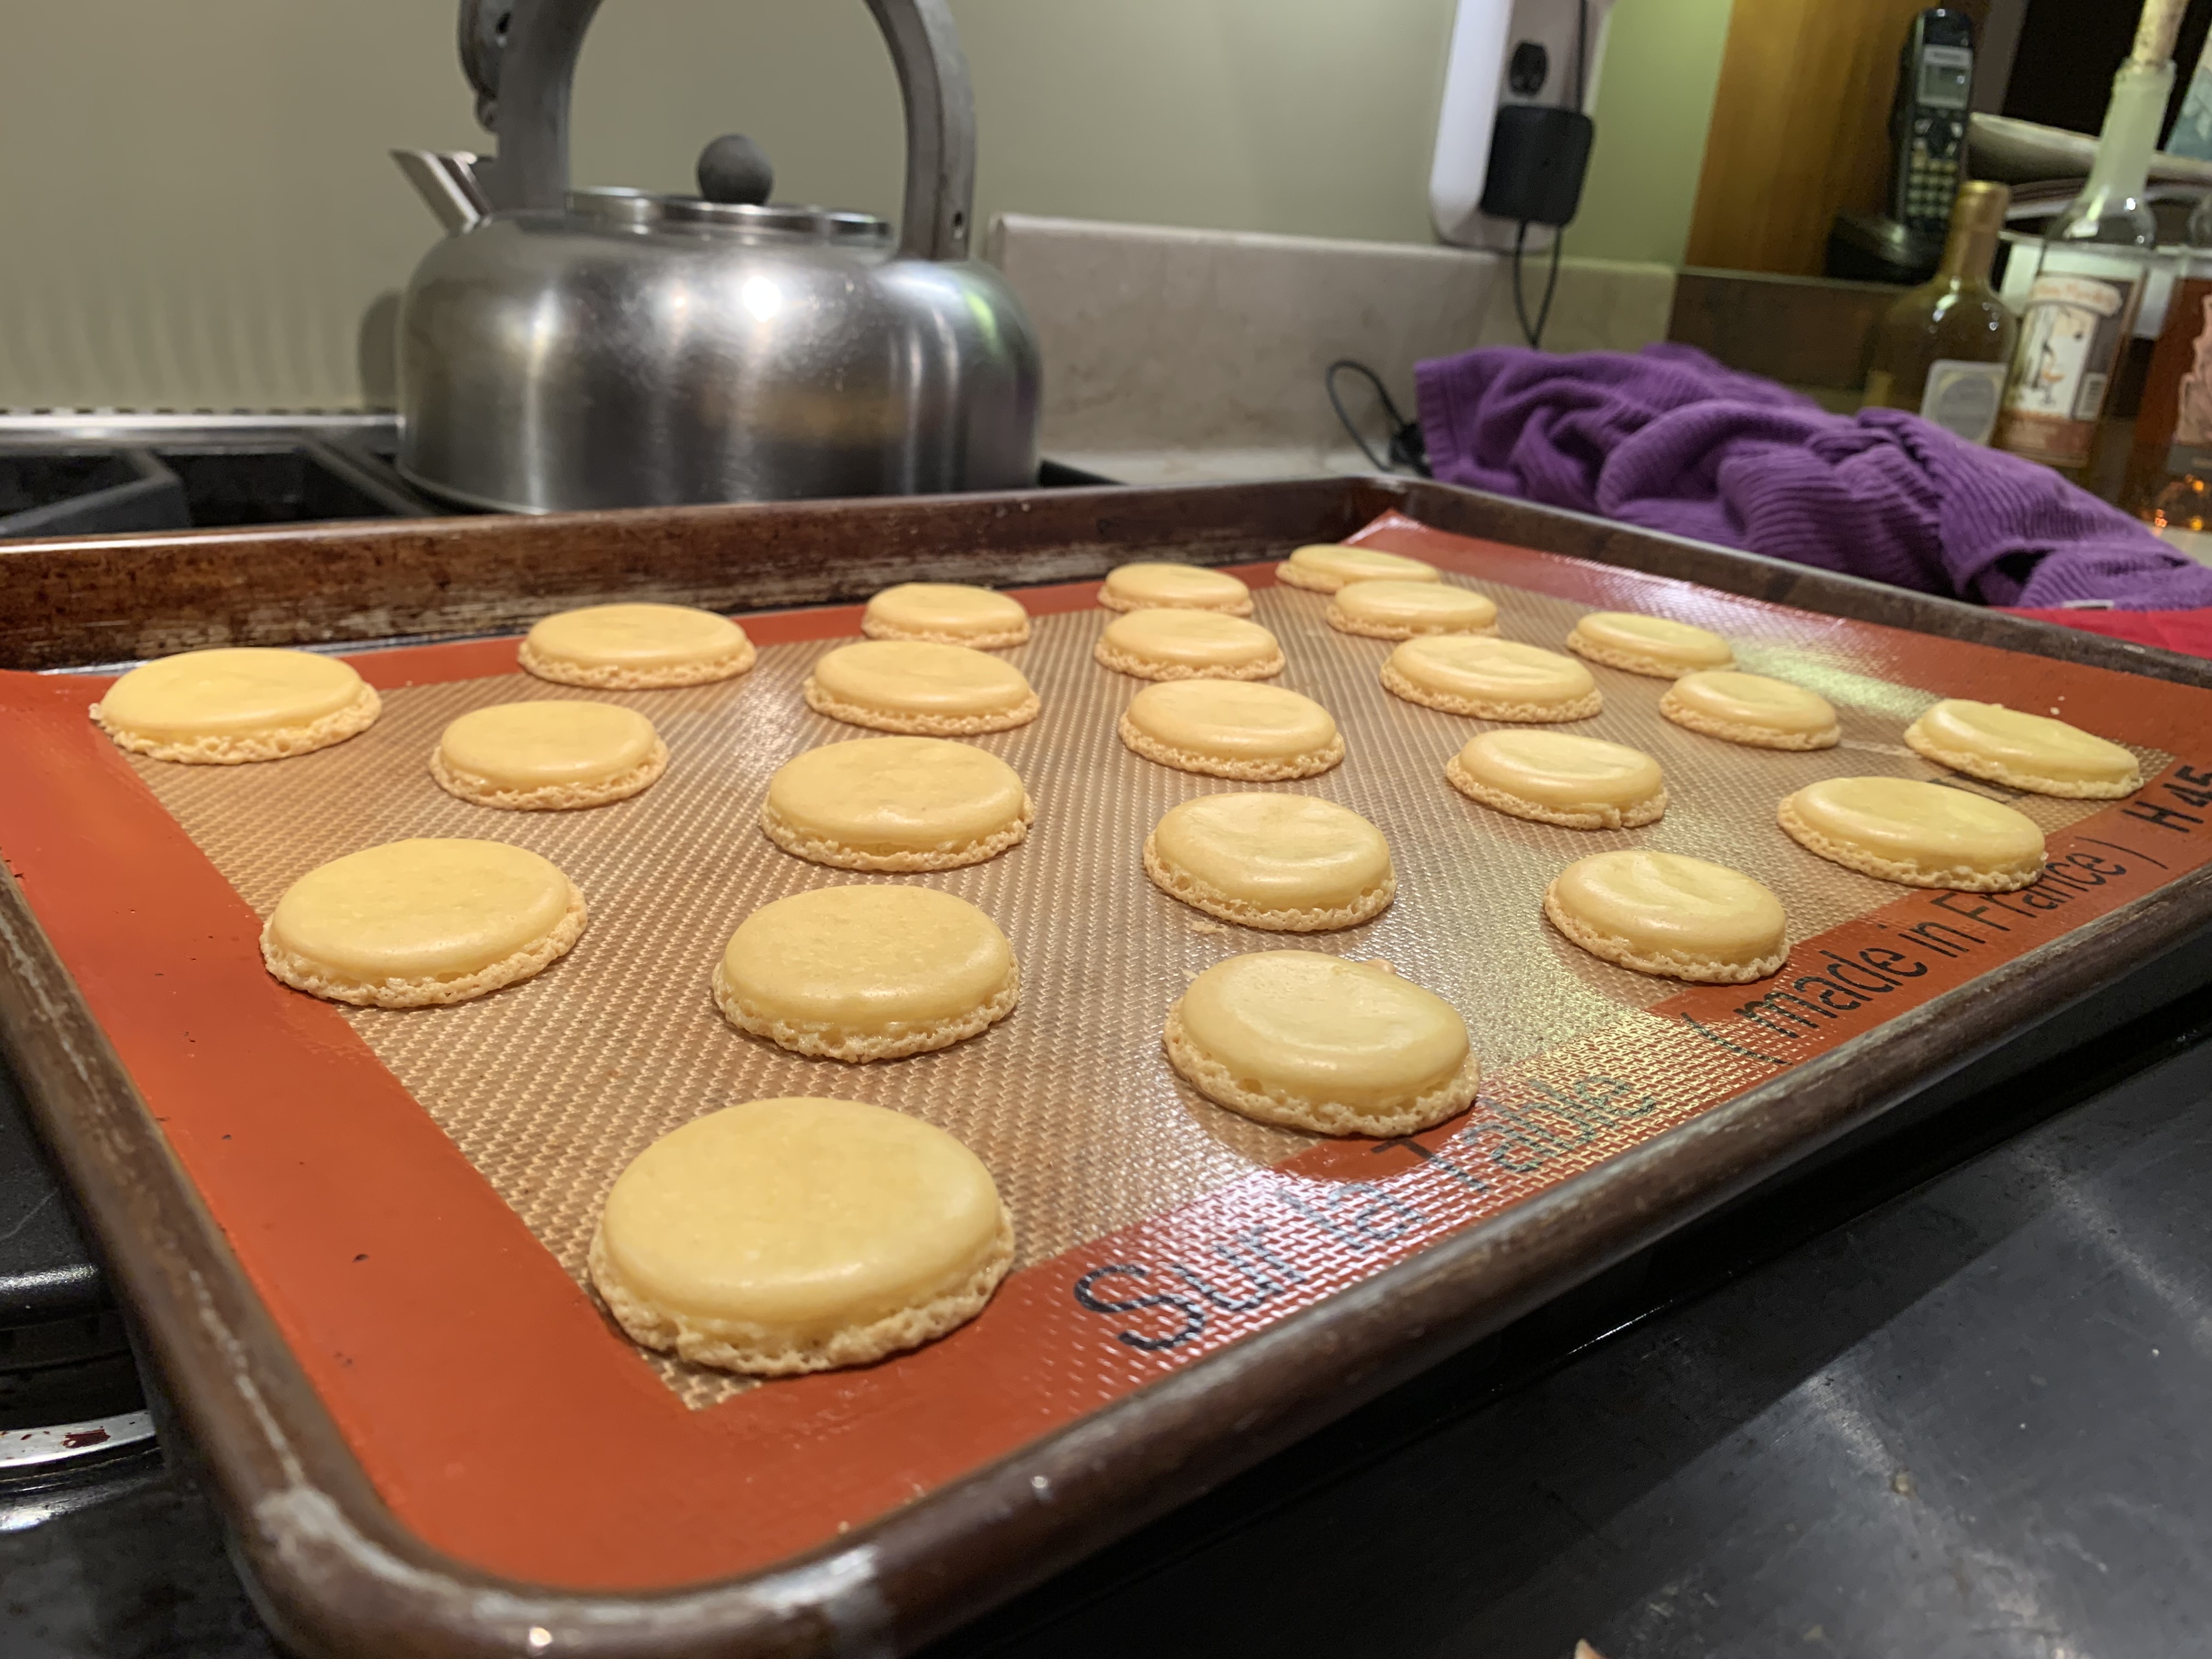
[(2077, 321), (2193, 411), (1962, 398)]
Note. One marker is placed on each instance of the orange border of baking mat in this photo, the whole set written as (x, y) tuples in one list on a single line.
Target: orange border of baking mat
[(507, 1425)]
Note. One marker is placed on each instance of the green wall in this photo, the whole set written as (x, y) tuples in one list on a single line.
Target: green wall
[(1662, 64), (205, 217)]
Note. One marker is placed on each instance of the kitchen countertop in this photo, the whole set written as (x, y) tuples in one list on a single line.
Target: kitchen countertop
[(1186, 465), (1967, 1421), (1176, 355)]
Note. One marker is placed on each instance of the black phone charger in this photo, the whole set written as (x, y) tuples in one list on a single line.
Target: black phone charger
[(1539, 155)]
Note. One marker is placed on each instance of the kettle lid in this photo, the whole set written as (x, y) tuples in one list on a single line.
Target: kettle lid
[(641, 209), (534, 61)]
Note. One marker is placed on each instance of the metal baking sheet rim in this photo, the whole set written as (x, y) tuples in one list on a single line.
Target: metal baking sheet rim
[(317, 1537)]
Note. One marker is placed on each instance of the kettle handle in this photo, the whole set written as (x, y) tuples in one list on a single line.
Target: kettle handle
[(940, 127), (539, 66)]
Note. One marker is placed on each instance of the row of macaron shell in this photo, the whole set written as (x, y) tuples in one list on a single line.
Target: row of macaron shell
[(1641, 644)]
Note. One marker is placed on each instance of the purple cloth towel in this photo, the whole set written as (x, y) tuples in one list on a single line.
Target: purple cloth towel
[(1669, 440)]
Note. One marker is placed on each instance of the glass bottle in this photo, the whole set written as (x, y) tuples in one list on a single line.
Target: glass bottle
[(1944, 349), (2091, 265), (2168, 483)]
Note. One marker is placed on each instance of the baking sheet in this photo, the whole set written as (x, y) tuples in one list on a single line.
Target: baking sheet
[(408, 1218)]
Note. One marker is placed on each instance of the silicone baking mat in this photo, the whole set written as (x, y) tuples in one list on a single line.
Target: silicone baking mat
[(413, 1191)]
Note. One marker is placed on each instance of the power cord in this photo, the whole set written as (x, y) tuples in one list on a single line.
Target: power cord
[(1535, 336), (1406, 448)]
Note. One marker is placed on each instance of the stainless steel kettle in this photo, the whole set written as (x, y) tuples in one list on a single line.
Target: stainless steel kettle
[(565, 350)]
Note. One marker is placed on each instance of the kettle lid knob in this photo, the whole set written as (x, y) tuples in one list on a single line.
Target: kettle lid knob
[(734, 168)]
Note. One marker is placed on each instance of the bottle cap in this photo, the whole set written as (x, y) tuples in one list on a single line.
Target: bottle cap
[(2155, 30), (1980, 206)]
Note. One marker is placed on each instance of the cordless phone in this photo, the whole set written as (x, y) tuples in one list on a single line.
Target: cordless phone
[(1927, 121)]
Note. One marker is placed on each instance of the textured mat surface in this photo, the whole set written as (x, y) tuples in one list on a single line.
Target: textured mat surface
[(551, 1087)]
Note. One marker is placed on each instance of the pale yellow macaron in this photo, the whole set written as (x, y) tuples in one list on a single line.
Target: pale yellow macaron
[(861, 974), (1328, 566), (1490, 679), (896, 805), (2024, 751), (1402, 610), (1660, 912), (1557, 777), (1752, 709), (415, 923), (1153, 585), (548, 757), (1649, 645), (1918, 834), (913, 687), (635, 647), (1290, 864), (1232, 729), (1188, 645), (222, 707), (1314, 1042), (798, 1235), (946, 613)]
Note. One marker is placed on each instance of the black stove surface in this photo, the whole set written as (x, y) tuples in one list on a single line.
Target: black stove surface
[(74, 1425), (106, 490), (60, 476)]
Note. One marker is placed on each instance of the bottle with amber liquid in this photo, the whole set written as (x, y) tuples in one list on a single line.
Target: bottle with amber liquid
[(2168, 483), (1944, 349), (2087, 274)]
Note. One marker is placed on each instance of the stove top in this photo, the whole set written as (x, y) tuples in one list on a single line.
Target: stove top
[(97, 473), (93, 474), (73, 1425)]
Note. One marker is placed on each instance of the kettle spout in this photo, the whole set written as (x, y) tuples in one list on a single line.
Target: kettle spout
[(449, 182)]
